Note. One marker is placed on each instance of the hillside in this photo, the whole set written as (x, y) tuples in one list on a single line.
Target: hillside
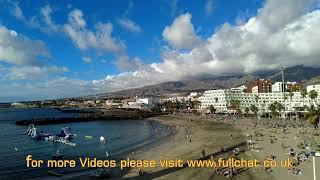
[(300, 73)]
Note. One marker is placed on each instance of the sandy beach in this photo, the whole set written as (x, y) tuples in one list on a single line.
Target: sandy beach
[(212, 133)]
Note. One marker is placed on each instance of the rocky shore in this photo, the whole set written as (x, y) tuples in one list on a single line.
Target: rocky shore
[(84, 116)]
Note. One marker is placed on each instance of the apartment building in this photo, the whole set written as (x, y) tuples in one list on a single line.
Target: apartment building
[(220, 100), (260, 86)]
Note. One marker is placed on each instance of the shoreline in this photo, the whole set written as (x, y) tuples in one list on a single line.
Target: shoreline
[(178, 146), (84, 173), (211, 133)]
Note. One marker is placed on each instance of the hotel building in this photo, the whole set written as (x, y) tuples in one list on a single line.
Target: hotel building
[(221, 98)]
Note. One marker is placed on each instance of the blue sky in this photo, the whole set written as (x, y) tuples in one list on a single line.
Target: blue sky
[(53, 49)]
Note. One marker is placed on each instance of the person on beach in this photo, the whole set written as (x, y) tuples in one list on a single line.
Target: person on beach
[(282, 145), (203, 153), (141, 172)]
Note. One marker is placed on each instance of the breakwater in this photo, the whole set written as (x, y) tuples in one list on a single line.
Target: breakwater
[(101, 115)]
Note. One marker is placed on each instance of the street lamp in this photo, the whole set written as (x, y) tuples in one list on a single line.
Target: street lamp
[(283, 89)]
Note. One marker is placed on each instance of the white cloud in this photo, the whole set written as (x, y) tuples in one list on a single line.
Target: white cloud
[(16, 10), (18, 49), (261, 43), (86, 59), (76, 29), (46, 12), (124, 63), (129, 25), (100, 40), (209, 7), (181, 33), (42, 20), (276, 14), (32, 72), (235, 49), (48, 89)]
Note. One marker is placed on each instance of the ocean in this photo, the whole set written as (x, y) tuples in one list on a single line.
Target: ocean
[(122, 137)]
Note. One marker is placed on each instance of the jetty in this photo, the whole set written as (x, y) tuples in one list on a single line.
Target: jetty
[(102, 115)]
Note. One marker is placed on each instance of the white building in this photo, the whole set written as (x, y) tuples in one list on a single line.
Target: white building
[(314, 87), (217, 98), (141, 103), (220, 100), (149, 101), (240, 88), (255, 89), (277, 87)]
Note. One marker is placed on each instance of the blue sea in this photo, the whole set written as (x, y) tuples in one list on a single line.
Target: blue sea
[(122, 137)]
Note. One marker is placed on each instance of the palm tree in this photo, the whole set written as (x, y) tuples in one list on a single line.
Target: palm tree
[(279, 107), (254, 109), (263, 105), (234, 105), (168, 105), (313, 116), (195, 104), (313, 95), (273, 109), (212, 109), (304, 94), (246, 110), (290, 96)]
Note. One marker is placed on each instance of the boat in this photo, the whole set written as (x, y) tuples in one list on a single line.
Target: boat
[(63, 137), (88, 137)]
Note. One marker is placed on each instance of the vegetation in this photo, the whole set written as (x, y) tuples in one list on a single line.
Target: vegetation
[(313, 95), (291, 94), (234, 105), (304, 94), (313, 116), (246, 110), (254, 109), (275, 109), (212, 109)]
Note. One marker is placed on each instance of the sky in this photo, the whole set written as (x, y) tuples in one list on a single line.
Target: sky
[(57, 49)]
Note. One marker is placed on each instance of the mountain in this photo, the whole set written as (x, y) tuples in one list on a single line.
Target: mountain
[(300, 73)]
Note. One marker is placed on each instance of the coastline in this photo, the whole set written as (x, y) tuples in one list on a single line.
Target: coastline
[(208, 135), (211, 133), (85, 115)]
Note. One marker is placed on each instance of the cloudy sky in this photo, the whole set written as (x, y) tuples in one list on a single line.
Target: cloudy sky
[(53, 49)]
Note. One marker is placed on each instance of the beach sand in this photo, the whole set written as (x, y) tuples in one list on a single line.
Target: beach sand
[(211, 133)]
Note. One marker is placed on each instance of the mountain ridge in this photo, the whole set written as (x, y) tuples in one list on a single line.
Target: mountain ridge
[(300, 73)]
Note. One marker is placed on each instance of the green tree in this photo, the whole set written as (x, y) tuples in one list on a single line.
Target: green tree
[(291, 94), (168, 105), (304, 94), (254, 109), (273, 109), (195, 104), (313, 116), (313, 95), (279, 107), (246, 110), (234, 105), (212, 109)]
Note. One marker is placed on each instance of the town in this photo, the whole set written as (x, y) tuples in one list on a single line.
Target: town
[(261, 98)]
